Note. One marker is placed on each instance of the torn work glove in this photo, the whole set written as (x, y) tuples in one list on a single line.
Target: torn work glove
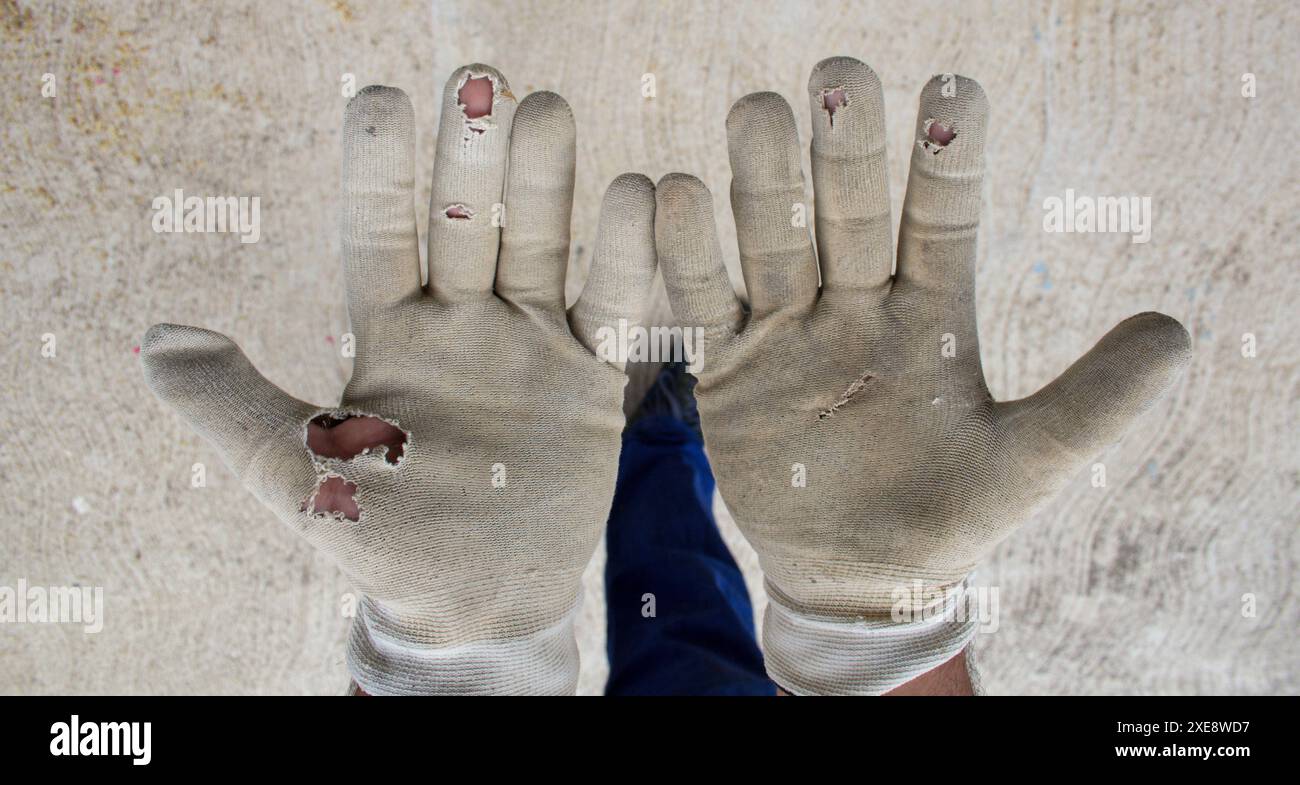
[(495, 429), (848, 423)]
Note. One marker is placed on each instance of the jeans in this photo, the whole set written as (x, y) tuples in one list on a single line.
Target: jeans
[(679, 618)]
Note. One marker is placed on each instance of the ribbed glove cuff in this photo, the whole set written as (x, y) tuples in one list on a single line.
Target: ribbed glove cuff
[(544, 663), (816, 655)]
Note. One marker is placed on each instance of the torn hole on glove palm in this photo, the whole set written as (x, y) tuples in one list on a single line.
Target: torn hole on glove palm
[(344, 436), (334, 496), (348, 435), (854, 389), (459, 212), (937, 136)]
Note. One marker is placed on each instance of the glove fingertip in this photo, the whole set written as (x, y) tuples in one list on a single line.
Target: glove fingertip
[(681, 190), (165, 343), (379, 103), (631, 187), (1165, 334)]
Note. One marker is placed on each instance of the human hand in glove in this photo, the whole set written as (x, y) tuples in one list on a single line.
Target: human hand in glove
[(463, 480), (848, 423)]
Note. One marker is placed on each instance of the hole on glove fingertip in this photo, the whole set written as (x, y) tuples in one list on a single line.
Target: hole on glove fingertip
[(475, 97), (459, 212), (833, 99), (334, 497), (347, 436), (940, 134), (937, 136)]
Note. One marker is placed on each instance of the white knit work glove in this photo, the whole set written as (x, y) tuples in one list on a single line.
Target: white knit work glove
[(848, 423), (495, 429)]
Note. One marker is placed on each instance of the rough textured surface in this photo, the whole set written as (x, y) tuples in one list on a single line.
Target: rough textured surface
[(1136, 587)]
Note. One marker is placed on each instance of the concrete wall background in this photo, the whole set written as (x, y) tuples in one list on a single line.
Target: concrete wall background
[(1136, 587)]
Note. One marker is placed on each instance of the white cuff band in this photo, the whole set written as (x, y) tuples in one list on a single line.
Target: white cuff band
[(814, 655), (544, 663)]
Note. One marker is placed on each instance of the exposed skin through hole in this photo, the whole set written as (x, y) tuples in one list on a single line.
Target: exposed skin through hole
[(475, 97), (832, 100), (460, 212), (938, 135), (941, 134), (331, 436), (334, 495)]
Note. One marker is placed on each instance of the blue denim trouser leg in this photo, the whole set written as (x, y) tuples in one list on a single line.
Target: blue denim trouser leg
[(679, 618)]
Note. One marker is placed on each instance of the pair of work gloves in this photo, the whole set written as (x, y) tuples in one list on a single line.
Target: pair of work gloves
[(464, 478)]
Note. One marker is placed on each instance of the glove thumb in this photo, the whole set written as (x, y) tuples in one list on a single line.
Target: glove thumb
[(1094, 402), (205, 377)]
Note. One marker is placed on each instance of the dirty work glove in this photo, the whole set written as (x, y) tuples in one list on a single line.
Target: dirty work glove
[(492, 429), (848, 424)]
